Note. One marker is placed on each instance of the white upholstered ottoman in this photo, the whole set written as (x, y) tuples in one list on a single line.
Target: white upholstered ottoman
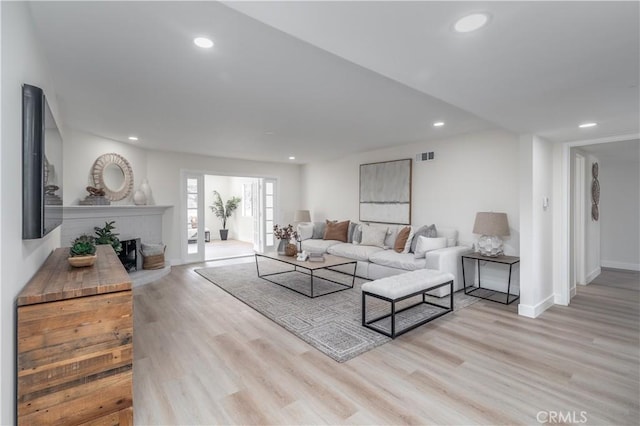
[(400, 287)]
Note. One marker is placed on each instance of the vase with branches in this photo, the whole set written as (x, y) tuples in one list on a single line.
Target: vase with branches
[(285, 234), (223, 211)]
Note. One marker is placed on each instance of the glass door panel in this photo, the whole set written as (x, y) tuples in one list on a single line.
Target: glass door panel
[(194, 208)]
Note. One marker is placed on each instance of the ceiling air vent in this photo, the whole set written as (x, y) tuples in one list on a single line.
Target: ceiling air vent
[(425, 156)]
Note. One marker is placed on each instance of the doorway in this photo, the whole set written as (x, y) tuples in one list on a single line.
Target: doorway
[(249, 227)]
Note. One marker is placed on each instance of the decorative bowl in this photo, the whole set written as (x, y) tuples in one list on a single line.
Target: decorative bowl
[(82, 261)]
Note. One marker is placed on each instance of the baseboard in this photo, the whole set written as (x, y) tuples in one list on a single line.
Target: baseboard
[(620, 265), (573, 292), (534, 311), (593, 275)]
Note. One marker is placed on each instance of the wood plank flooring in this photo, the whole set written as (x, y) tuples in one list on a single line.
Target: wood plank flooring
[(203, 357)]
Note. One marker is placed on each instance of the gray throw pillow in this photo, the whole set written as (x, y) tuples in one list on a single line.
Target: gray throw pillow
[(318, 230), (426, 231), (352, 228), (357, 234)]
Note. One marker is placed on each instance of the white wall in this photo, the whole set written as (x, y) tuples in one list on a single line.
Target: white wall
[(470, 173), (536, 225), (620, 213), (82, 149), (22, 62)]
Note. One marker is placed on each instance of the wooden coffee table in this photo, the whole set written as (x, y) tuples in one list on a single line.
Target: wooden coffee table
[(308, 270)]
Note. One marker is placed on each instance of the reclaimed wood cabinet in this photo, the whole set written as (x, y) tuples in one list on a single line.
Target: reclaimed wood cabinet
[(75, 343)]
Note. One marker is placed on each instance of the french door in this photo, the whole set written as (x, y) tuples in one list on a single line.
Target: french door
[(192, 217), (192, 223)]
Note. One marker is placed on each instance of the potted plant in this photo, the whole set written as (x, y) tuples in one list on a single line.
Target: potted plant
[(223, 211), (105, 236), (82, 251)]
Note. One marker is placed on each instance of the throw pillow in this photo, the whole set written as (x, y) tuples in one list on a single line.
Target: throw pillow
[(305, 231), (426, 244), (373, 236), (357, 235), (407, 246), (318, 230), (425, 231), (401, 239), (336, 231), (352, 229), (392, 235)]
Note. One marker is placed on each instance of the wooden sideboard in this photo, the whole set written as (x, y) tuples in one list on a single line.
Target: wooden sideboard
[(75, 343)]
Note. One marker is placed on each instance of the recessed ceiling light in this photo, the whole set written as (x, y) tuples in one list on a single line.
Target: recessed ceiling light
[(133, 138), (471, 22), (203, 42), (438, 124), (292, 158), (585, 125)]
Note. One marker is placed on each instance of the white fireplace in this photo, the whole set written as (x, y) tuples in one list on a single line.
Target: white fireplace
[(131, 223), (144, 222)]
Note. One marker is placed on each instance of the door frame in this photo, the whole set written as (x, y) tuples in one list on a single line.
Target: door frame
[(562, 285), (183, 207)]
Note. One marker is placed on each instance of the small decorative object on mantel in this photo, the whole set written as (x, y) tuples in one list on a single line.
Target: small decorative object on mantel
[(82, 252), (139, 199), (146, 190), (284, 234), (95, 198)]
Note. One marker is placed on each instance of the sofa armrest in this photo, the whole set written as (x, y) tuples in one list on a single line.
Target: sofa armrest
[(448, 260)]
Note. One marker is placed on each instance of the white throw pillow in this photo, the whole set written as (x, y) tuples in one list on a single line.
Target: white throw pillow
[(373, 236), (426, 244), (407, 246), (305, 231)]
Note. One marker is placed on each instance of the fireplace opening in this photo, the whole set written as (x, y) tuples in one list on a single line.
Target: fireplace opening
[(129, 256)]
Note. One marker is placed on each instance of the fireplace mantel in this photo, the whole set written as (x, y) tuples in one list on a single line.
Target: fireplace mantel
[(84, 212)]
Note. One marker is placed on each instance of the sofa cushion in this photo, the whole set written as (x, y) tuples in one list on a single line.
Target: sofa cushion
[(429, 244), (353, 251), (336, 231), (392, 259), (318, 230), (401, 239), (318, 246), (426, 231), (357, 234), (373, 236)]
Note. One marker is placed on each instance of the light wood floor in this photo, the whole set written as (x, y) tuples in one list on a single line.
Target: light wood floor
[(203, 357)]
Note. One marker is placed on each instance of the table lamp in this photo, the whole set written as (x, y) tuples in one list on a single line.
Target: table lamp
[(491, 226)]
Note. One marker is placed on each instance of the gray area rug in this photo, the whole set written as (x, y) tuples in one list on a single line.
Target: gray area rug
[(330, 323)]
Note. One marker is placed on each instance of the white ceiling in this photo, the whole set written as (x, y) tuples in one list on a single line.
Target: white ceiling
[(319, 80)]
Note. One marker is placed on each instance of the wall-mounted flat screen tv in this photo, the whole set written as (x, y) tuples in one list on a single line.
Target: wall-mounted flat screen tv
[(41, 166)]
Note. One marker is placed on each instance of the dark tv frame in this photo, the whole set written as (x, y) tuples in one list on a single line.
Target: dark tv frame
[(36, 223)]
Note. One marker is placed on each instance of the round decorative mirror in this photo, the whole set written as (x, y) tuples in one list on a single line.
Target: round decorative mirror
[(112, 172)]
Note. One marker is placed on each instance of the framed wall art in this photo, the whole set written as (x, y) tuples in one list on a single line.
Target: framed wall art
[(385, 192)]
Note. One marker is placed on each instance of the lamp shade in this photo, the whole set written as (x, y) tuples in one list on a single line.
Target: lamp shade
[(491, 223), (302, 216)]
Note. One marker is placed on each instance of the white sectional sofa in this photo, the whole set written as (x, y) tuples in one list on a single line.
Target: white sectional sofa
[(375, 262)]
